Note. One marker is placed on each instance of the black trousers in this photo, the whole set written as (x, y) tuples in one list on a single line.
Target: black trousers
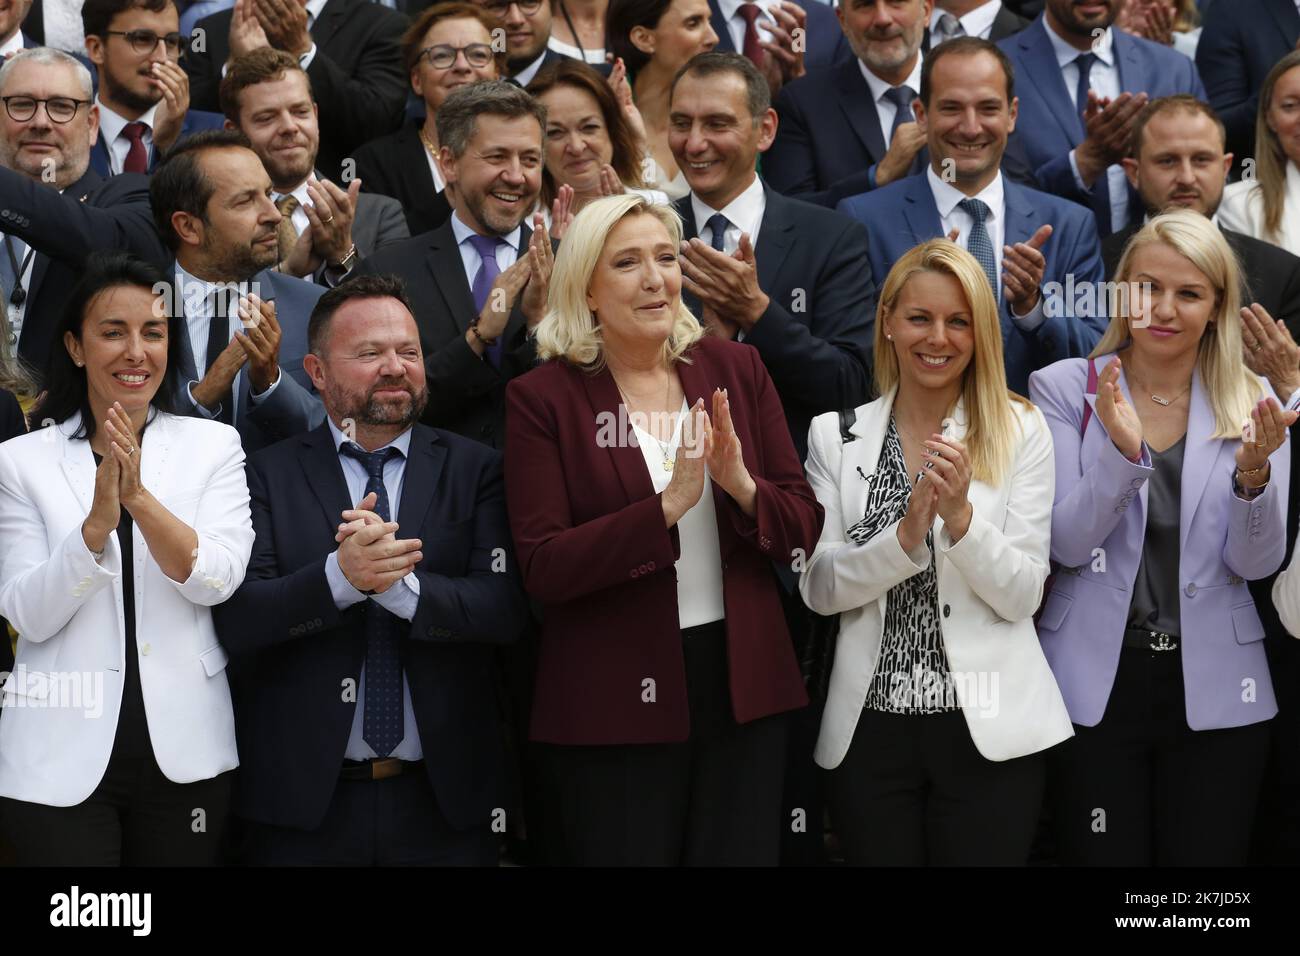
[(714, 800), (391, 822), (914, 791), (1142, 788), (135, 817)]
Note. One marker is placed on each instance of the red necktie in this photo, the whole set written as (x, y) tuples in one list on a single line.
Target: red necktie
[(137, 157), (753, 52)]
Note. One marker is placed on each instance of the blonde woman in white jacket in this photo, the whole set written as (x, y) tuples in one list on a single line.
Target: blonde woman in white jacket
[(121, 524), (934, 553)]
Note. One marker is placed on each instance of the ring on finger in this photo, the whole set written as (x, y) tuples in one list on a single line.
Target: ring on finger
[(329, 220)]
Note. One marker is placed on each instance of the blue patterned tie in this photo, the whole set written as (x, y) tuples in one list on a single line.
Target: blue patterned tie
[(901, 97), (978, 243), (381, 725), (718, 224), (486, 247)]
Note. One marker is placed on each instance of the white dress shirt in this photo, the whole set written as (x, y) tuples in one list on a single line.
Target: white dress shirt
[(885, 110), (314, 7), (111, 125), (736, 23), (525, 76), (1104, 81), (744, 213), (699, 569), (507, 248), (195, 298), (947, 199), (401, 599), (299, 218), (12, 45), (977, 23)]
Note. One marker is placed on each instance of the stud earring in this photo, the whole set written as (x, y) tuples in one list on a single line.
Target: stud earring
[(889, 337)]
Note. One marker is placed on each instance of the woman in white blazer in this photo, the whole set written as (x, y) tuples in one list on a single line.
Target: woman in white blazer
[(934, 553), (120, 526), (1266, 205)]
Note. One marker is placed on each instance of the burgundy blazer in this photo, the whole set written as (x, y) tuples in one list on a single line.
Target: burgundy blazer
[(595, 553)]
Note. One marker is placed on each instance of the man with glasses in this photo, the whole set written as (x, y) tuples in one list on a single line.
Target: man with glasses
[(348, 48), (528, 31), (144, 95), (326, 229), (47, 126)]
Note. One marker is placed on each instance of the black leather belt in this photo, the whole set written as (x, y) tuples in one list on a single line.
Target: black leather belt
[(380, 768), (1150, 640)]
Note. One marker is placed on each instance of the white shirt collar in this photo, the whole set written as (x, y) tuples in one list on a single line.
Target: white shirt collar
[(402, 442), (525, 76), (731, 8), (947, 196), (111, 123), (745, 212), (978, 21), (12, 45), (300, 193), (1103, 46), (463, 232), (879, 87), (314, 7)]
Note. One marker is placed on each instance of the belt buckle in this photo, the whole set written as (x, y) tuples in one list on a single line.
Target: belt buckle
[(1160, 641), (384, 767)]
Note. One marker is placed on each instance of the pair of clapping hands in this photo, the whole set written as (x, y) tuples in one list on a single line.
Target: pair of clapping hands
[(370, 554)]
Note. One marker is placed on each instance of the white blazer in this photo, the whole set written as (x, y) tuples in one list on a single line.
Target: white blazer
[(990, 584), (1242, 210), (62, 700)]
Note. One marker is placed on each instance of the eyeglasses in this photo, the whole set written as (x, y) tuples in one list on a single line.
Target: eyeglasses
[(145, 41), (442, 57), (499, 8), (60, 109)]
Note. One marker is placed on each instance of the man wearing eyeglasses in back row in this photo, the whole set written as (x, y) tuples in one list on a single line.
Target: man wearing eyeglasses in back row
[(528, 31), (348, 48), (144, 95)]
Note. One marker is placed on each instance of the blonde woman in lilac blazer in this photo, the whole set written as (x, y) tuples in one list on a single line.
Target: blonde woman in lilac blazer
[(1171, 491)]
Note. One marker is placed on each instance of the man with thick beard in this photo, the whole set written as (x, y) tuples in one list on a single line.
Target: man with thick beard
[(361, 638), (242, 327)]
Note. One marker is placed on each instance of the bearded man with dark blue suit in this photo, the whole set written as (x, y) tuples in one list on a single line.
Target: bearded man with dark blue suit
[(1073, 150), (1041, 254)]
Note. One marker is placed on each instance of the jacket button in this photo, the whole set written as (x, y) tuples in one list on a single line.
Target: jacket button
[(1190, 590), (947, 610), (635, 573), (651, 565)]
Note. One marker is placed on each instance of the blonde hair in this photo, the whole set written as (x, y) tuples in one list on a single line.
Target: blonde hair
[(570, 330), (1230, 387), (1270, 159), (992, 427)]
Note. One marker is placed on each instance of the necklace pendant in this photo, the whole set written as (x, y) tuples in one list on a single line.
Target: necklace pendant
[(668, 463), (1160, 401)]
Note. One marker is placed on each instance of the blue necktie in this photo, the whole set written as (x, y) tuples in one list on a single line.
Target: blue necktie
[(718, 224), (901, 97), (1101, 188), (978, 243), (486, 247), (381, 725)]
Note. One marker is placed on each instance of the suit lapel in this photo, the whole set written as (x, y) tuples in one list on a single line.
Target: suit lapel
[(414, 162), (420, 480), (324, 474), (1129, 62), (859, 107), (1044, 72), (1199, 456), (448, 270), (99, 155), (78, 462), (774, 239), (329, 21), (919, 210), (725, 44), (628, 462)]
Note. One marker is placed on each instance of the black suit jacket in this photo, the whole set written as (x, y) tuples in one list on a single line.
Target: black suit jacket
[(92, 214), (356, 75), (466, 392), (814, 337), (292, 649), (397, 165)]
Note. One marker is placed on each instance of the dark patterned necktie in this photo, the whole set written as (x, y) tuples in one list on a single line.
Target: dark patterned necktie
[(978, 243), (382, 722), (717, 225), (901, 97)]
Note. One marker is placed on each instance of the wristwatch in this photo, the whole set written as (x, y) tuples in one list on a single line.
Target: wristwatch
[(347, 261)]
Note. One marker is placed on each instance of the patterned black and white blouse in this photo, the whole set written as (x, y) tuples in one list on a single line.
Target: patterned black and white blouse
[(912, 675)]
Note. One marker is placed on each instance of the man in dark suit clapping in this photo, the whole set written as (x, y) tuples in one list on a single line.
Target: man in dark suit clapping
[(361, 639)]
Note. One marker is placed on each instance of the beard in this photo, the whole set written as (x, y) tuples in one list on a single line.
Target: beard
[(370, 411), (239, 263), (496, 223), (1072, 21), (128, 98)]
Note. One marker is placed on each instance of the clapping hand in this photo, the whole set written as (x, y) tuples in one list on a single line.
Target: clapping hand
[(1117, 416)]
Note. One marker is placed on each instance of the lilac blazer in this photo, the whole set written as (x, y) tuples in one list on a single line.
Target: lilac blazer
[(1098, 525)]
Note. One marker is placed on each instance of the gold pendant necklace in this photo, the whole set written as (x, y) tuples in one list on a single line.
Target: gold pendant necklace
[(668, 461)]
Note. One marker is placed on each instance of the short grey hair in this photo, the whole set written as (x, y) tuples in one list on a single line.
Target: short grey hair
[(458, 113), (48, 56)]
